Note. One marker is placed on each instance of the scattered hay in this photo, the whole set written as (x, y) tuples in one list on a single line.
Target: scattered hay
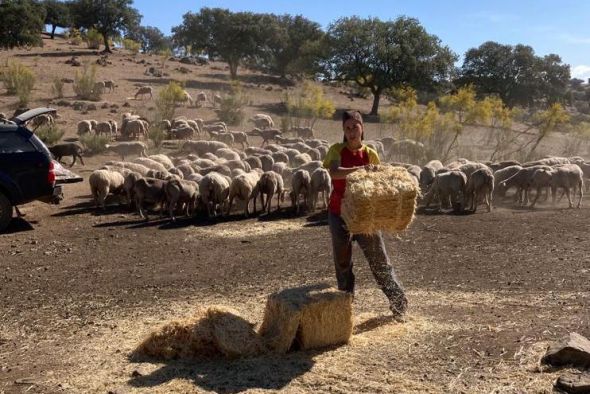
[(307, 317), (212, 332), (381, 200)]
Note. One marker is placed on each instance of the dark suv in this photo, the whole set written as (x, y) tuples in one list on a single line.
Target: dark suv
[(27, 171)]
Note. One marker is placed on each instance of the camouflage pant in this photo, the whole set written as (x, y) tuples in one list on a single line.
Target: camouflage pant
[(373, 248)]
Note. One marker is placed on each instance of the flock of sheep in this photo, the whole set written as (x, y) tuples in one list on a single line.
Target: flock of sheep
[(214, 175)]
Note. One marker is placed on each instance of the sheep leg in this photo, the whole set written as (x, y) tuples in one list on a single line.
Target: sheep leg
[(488, 199), (269, 201), (536, 197), (102, 196), (581, 187), (81, 161), (569, 197), (231, 202)]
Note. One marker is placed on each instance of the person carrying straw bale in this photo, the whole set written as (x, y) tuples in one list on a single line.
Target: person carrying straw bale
[(341, 160)]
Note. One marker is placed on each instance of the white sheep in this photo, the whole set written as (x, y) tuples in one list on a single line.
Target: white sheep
[(320, 183), (139, 168), (270, 183), (300, 160), (242, 187), (256, 151), (181, 192), (128, 148), (254, 161), (521, 180), (129, 184), (227, 153), (300, 186), (143, 90), (480, 184), (103, 182), (567, 177), (241, 138), (447, 186), (162, 159), (150, 190), (110, 85), (104, 128), (302, 132), (266, 134), (150, 163), (214, 189), (267, 162), (202, 147), (84, 127), (280, 157)]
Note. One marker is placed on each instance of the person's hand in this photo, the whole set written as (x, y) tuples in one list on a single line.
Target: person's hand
[(370, 167)]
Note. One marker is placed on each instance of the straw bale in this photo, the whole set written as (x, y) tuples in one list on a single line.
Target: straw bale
[(233, 335), (381, 200), (188, 338), (210, 332), (307, 317)]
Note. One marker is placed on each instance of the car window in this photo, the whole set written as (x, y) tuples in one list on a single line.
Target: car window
[(14, 143)]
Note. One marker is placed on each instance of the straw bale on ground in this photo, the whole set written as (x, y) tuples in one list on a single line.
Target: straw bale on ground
[(210, 332), (307, 317), (381, 200)]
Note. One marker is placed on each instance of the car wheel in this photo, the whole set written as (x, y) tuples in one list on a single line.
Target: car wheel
[(5, 212)]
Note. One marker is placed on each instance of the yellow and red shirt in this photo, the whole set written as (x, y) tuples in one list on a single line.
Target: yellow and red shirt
[(346, 158)]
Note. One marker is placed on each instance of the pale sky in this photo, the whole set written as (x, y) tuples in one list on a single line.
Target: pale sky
[(547, 26)]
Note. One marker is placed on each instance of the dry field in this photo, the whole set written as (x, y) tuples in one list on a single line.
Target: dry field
[(80, 290)]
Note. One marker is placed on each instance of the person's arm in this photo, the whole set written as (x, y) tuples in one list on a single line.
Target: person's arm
[(341, 172), (337, 172)]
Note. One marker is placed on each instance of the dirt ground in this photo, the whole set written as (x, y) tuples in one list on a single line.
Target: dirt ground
[(80, 289)]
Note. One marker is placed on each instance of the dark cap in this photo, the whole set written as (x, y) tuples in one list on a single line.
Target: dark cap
[(356, 115)]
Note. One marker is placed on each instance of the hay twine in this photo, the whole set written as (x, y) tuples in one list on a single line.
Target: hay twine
[(380, 200)]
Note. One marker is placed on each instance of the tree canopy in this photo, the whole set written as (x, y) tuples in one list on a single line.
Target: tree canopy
[(515, 74), (381, 55), (21, 23), (290, 44), (231, 36), (57, 14), (150, 38), (109, 17)]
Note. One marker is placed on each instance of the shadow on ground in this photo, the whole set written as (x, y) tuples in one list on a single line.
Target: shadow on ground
[(18, 225), (233, 376)]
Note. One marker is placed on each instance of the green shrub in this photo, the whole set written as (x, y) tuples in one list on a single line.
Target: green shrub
[(84, 83), (231, 107), (18, 80), (58, 87), (49, 134), (131, 45), (157, 135), (95, 143), (93, 39), (74, 37), (167, 100)]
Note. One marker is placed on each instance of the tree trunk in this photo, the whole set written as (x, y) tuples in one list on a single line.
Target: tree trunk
[(53, 27), (105, 38), (233, 70), (375, 107)]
